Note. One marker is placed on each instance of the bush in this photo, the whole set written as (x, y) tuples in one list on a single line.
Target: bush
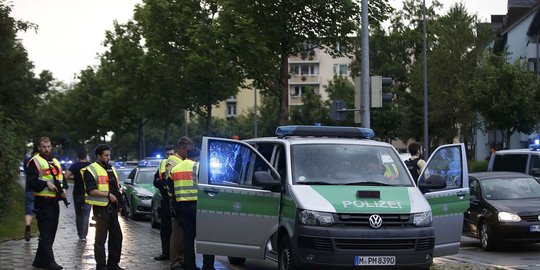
[(10, 143), (478, 165)]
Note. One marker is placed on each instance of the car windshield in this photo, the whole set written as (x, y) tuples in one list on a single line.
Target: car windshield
[(339, 164), (145, 177), (511, 188), (123, 174)]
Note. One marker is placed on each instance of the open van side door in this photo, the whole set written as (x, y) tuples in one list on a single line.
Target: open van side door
[(238, 200), (447, 204)]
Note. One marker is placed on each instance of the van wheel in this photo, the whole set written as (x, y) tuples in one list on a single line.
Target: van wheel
[(285, 258), (236, 260), (486, 237)]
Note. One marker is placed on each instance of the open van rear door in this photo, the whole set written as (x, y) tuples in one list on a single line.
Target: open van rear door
[(447, 204)]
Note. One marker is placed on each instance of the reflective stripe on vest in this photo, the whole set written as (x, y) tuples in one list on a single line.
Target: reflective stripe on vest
[(46, 173), (102, 178), (185, 185), (173, 161)]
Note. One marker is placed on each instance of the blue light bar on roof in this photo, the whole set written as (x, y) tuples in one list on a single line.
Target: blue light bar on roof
[(325, 131)]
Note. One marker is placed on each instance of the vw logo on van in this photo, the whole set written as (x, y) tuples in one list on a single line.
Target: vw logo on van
[(538, 217), (375, 221)]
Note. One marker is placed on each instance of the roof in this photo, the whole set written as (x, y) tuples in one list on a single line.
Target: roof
[(491, 175), (516, 151), (321, 140), (520, 19), (521, 3)]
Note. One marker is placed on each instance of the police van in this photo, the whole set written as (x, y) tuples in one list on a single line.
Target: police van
[(328, 197)]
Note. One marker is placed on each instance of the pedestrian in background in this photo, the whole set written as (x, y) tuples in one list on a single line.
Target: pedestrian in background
[(415, 163), (103, 193), (177, 236), (45, 177), (165, 211), (28, 197), (82, 210), (185, 181)]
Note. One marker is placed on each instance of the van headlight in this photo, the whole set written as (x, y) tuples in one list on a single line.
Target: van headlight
[(143, 197), (315, 218), (422, 219), (508, 217)]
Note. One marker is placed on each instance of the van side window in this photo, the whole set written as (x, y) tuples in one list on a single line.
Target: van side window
[(234, 164), (510, 162), (535, 163)]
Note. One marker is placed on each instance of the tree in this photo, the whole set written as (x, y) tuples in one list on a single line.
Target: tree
[(506, 97), (340, 88), (265, 33), (311, 111)]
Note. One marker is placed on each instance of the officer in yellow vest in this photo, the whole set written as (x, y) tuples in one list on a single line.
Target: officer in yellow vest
[(164, 211), (103, 193), (177, 236), (184, 177), (43, 171)]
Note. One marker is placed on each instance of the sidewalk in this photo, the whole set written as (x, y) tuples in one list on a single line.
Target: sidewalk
[(140, 244)]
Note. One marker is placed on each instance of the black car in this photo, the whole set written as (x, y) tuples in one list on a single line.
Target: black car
[(505, 207)]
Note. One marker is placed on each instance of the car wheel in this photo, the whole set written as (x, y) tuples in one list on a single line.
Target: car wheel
[(153, 221), (486, 237), (285, 257), (236, 260)]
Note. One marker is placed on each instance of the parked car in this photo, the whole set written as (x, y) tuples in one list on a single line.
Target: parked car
[(516, 160), (504, 207), (138, 190)]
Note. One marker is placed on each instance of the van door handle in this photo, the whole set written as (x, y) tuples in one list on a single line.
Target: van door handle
[(210, 192), (461, 194)]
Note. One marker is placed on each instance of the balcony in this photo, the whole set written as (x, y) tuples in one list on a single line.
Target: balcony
[(309, 58), (304, 79), (531, 50)]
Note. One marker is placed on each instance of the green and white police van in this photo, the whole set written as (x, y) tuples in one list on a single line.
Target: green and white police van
[(328, 197)]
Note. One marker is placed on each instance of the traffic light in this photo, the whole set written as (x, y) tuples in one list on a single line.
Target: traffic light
[(377, 95)]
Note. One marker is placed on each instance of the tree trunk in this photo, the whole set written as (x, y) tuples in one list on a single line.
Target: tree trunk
[(284, 84), (142, 146), (208, 118)]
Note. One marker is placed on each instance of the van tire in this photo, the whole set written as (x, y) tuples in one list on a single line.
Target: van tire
[(285, 257), (236, 260)]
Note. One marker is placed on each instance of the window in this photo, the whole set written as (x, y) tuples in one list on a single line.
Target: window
[(339, 48), (341, 69), (231, 109), (446, 163), (297, 91), (232, 163), (303, 70), (511, 162)]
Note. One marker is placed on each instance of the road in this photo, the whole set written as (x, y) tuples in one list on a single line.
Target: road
[(141, 244)]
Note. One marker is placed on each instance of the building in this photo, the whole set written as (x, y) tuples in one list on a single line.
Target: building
[(518, 32), (311, 70)]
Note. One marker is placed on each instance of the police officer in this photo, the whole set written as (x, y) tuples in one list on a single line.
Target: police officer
[(185, 180), (43, 171), (165, 211), (103, 193), (177, 236)]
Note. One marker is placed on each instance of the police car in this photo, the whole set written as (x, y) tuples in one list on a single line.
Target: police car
[(328, 197)]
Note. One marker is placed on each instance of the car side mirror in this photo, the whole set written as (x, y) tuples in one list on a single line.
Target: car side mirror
[(535, 172), (267, 181), (432, 182), (127, 182)]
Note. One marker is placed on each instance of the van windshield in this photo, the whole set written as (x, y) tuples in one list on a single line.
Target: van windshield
[(339, 164)]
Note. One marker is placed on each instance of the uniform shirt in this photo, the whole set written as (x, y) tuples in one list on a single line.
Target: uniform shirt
[(32, 176), (91, 183), (75, 169)]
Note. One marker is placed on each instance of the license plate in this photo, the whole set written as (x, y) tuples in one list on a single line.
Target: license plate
[(374, 260), (535, 228)]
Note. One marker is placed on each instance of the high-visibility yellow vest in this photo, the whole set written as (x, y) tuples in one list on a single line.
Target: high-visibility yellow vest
[(102, 178), (390, 170), (47, 173), (172, 161), (185, 178)]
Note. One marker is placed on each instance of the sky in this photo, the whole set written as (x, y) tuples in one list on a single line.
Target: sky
[(70, 32)]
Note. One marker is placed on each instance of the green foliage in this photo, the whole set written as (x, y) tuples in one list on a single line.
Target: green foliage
[(11, 147), (311, 111), (11, 223), (506, 97), (478, 165)]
